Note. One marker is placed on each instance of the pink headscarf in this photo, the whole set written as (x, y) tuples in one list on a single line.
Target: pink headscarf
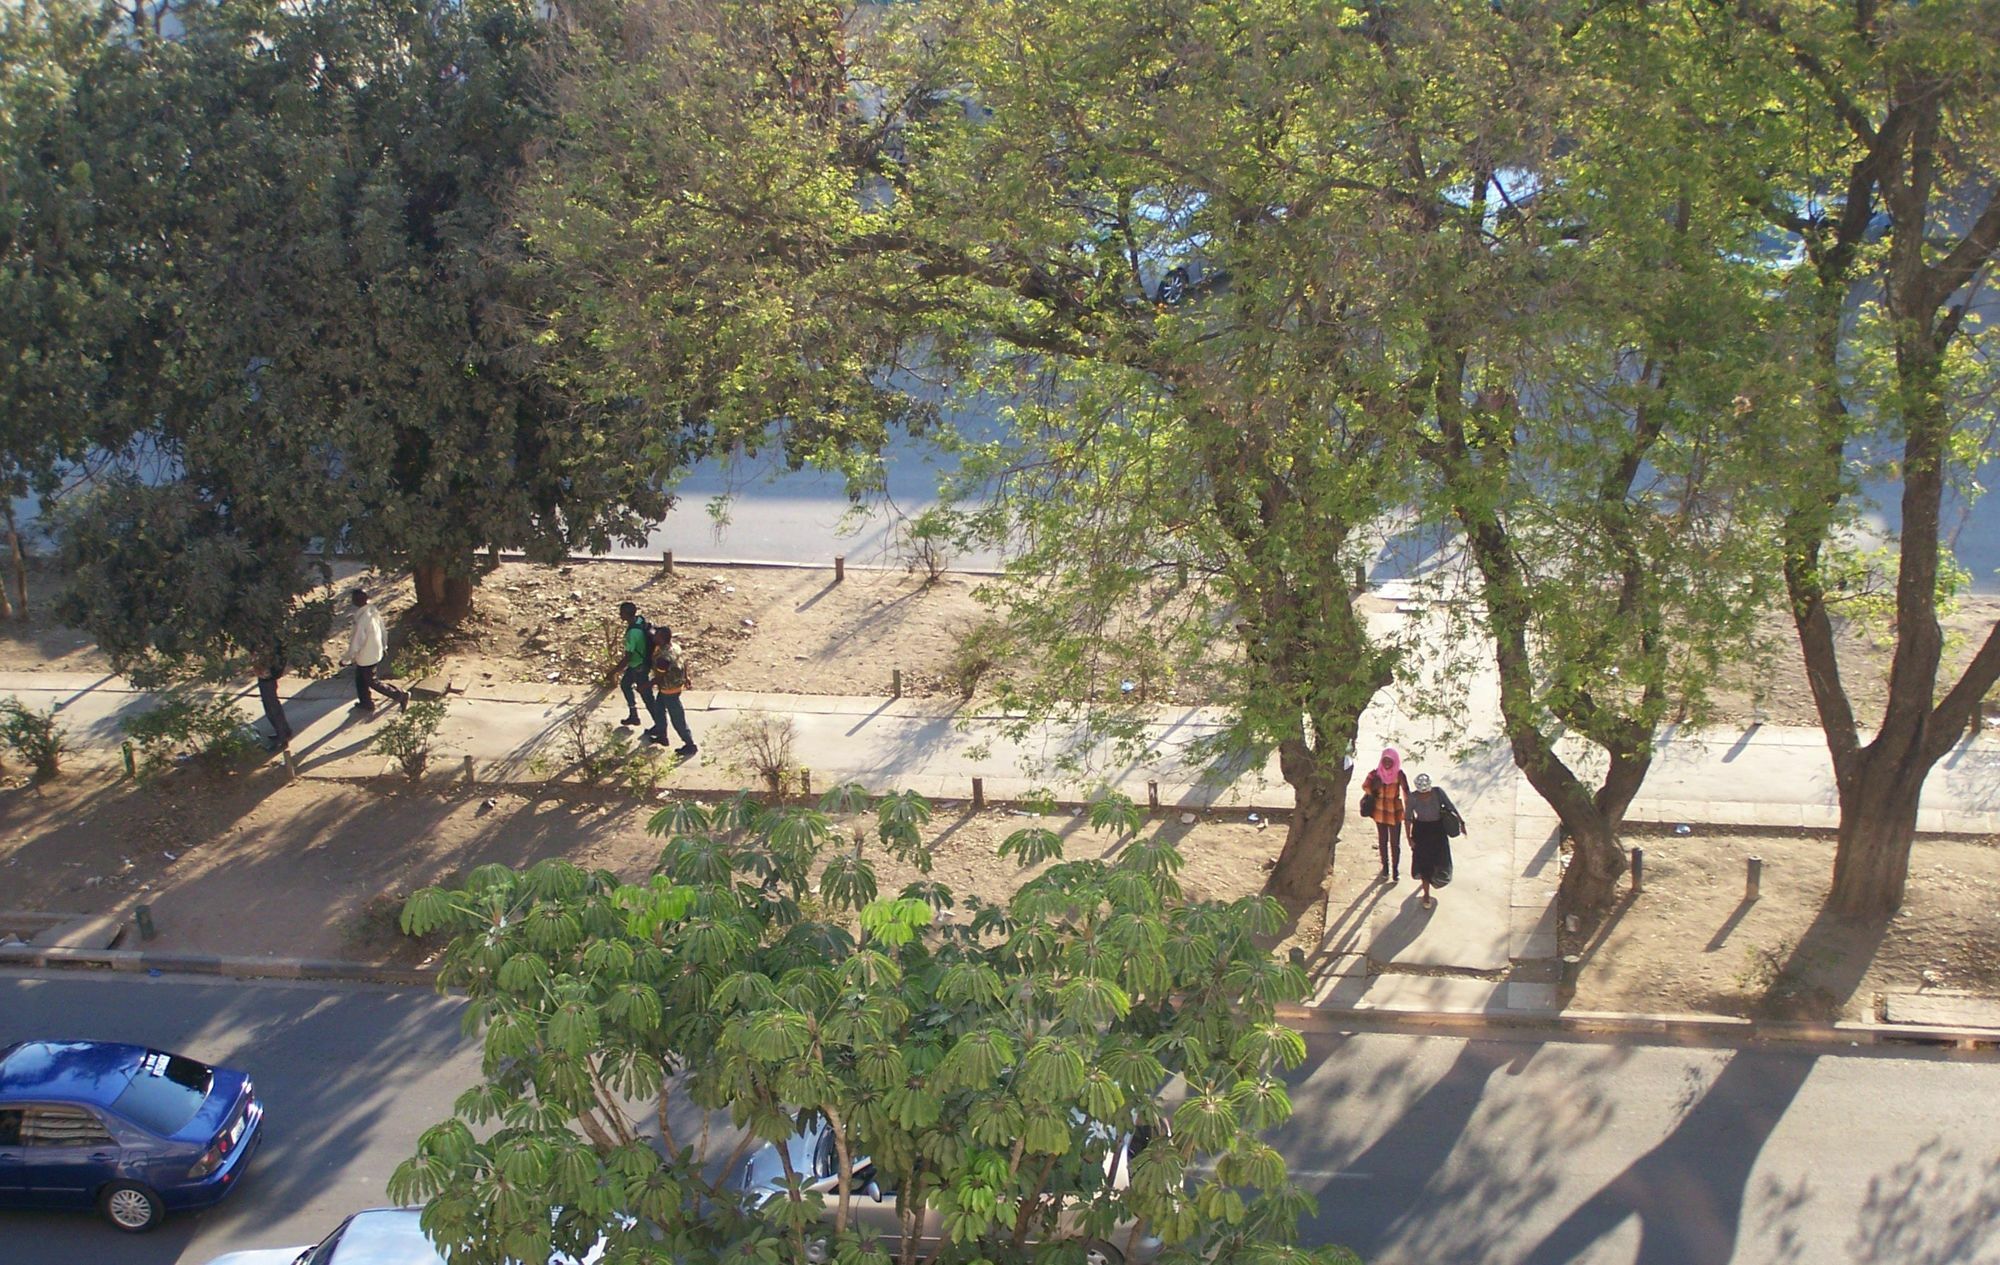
[(1391, 768)]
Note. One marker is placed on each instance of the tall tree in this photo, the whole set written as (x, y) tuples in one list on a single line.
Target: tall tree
[(85, 181), (1880, 126), (987, 1061), (1592, 454)]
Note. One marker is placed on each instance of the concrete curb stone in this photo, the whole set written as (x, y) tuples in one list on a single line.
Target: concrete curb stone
[(1680, 1027)]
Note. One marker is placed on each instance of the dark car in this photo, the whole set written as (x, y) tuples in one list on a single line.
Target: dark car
[(131, 1131)]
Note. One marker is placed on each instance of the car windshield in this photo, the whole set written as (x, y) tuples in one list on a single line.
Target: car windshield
[(165, 1093)]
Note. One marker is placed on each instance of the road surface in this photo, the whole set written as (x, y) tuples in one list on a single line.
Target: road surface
[(1421, 1149)]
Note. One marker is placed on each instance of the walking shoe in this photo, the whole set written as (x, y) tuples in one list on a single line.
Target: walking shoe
[(687, 752), (633, 719), (402, 700), (1383, 877), (360, 710), (655, 736)]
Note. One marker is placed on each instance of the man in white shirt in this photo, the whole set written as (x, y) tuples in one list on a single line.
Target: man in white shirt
[(365, 647)]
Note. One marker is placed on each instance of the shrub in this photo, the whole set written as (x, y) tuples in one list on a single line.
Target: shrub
[(192, 723), (37, 737), (407, 736), (592, 753), (760, 743)]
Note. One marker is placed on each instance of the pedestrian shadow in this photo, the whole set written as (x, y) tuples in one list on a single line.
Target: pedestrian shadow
[(1742, 744), (1687, 1193)]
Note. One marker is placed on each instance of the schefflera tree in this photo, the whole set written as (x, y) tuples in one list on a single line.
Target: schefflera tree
[(988, 1059)]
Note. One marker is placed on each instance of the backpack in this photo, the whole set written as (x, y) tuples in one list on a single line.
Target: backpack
[(668, 670)]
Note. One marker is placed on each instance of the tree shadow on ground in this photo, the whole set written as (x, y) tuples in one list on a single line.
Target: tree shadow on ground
[(1687, 1193)]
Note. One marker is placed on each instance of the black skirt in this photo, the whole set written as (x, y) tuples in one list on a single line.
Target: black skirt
[(1430, 853)]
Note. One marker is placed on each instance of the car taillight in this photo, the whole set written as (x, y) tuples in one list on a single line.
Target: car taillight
[(225, 1142)]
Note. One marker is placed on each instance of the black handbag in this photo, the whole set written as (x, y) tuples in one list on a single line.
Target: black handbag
[(1368, 803)]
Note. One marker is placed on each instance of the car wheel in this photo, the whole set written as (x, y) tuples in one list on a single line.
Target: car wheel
[(130, 1206), (1098, 1252)]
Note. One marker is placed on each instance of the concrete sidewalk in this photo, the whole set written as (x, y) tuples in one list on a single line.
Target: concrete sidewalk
[(1499, 908)]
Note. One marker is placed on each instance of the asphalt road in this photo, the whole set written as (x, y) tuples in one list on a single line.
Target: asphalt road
[(1431, 1150)]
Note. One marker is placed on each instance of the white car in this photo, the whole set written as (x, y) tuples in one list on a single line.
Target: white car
[(378, 1236)]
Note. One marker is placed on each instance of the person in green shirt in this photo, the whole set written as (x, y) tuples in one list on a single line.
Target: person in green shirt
[(636, 681)]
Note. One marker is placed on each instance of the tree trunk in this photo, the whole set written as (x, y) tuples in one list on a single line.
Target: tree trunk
[(19, 561), (443, 597), (1319, 807), (1878, 823)]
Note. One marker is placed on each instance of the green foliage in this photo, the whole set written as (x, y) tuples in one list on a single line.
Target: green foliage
[(987, 1065), (36, 737), (189, 722), (407, 736), (176, 581), (595, 754)]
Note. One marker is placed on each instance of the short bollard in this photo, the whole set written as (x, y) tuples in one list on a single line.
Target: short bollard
[(144, 915), (1360, 577), (1753, 877), (978, 792), (667, 561), (469, 779), (839, 568), (1153, 796), (896, 683), (1572, 970), (131, 767), (806, 782), (1638, 869), (291, 766)]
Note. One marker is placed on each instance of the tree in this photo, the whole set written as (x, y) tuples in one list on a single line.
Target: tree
[(177, 581), (1883, 176), (85, 163), (1590, 446), (984, 1058)]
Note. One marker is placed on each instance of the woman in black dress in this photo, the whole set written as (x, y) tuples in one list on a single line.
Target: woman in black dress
[(1433, 821)]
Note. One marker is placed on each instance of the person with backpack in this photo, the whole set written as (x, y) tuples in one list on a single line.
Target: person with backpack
[(636, 680), (1434, 820), (1382, 797), (670, 677)]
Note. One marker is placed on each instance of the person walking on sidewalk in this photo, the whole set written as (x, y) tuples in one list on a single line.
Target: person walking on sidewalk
[(1434, 820), (635, 681), (270, 667), (670, 677), (365, 647), (1382, 799)]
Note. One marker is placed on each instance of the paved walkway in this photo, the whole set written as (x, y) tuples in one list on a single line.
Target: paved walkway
[(1500, 906)]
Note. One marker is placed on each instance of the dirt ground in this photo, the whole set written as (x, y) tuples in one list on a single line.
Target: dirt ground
[(1691, 943), (251, 864), (248, 864), (794, 631)]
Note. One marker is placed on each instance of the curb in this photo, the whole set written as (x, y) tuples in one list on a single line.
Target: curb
[(1688, 1029), (1681, 1028), (132, 961)]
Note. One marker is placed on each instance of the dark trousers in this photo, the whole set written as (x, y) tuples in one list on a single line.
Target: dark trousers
[(274, 710), (1389, 844), (666, 707), (364, 682), (637, 683)]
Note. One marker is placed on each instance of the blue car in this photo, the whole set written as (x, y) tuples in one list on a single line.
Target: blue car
[(133, 1132)]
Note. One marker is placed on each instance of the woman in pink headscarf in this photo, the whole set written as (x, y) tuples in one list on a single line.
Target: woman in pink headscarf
[(1385, 791)]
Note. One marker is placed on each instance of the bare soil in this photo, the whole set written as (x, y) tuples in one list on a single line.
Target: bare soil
[(1691, 942), (796, 631), (251, 864)]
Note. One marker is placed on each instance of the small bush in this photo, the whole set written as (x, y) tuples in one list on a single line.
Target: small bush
[(760, 743), (978, 652), (597, 754), (190, 723), (36, 737), (930, 540), (407, 736)]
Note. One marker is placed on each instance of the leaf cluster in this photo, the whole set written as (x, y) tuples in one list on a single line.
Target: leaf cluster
[(988, 1060)]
